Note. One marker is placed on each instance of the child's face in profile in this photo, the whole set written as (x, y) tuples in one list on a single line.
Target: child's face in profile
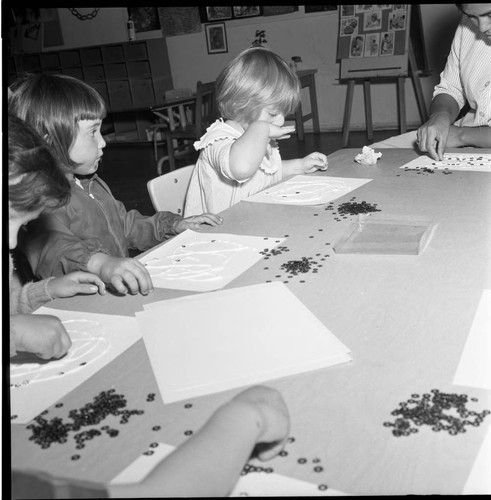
[(88, 146), (17, 220)]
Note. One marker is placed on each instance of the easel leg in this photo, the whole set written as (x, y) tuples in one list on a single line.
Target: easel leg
[(368, 108), (418, 91), (347, 111), (401, 103)]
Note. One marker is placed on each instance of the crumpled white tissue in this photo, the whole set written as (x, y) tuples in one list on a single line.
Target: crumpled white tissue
[(368, 156)]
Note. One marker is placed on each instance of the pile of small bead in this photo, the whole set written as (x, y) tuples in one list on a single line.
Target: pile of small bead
[(435, 411), (46, 432), (298, 266), (353, 208)]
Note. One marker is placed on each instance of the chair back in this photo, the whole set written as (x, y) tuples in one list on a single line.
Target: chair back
[(206, 107), (168, 192)]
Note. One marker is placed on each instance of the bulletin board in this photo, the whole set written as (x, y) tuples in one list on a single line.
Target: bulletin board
[(373, 40)]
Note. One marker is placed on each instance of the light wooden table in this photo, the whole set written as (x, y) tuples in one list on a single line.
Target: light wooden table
[(405, 318)]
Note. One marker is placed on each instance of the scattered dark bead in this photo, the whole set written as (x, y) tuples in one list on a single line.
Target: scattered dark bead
[(188, 433), (318, 468), (154, 445), (75, 457), (323, 487), (283, 453), (148, 452), (302, 460), (156, 428)]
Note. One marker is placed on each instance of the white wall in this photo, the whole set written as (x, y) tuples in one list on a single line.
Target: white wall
[(313, 37)]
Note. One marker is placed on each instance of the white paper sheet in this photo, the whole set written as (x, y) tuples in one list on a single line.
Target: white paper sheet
[(97, 339), (453, 161), (253, 484), (207, 343), (474, 368), (479, 480), (308, 190), (203, 262)]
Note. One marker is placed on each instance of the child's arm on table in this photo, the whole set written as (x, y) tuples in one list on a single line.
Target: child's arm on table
[(74, 283), (42, 335), (124, 274), (210, 462), (247, 152), (196, 221), (308, 165), (144, 231)]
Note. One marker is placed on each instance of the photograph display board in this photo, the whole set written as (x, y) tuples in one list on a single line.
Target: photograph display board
[(373, 40)]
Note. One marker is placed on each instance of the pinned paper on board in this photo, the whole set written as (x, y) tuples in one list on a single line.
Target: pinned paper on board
[(253, 334), (452, 161), (204, 262), (308, 190), (252, 484), (474, 369), (97, 339)]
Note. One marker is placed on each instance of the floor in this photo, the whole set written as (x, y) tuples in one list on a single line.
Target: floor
[(127, 168)]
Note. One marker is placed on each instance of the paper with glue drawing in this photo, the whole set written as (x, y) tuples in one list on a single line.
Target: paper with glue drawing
[(453, 161), (474, 368), (232, 338), (308, 190), (97, 339), (203, 262), (252, 484)]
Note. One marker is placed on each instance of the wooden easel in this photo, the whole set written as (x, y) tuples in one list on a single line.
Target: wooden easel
[(414, 73)]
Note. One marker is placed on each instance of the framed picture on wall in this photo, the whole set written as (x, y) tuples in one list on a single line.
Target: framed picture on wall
[(247, 11), (216, 38), (213, 14)]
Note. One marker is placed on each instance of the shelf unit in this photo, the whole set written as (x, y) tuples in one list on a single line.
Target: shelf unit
[(130, 76)]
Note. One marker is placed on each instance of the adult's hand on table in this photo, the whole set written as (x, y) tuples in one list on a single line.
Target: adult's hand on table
[(432, 136)]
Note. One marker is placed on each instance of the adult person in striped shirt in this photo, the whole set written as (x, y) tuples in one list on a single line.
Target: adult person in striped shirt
[(466, 79)]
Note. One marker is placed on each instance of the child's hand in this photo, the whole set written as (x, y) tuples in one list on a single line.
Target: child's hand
[(284, 132), (42, 335), (274, 419), (124, 274), (74, 283), (314, 161), (196, 221)]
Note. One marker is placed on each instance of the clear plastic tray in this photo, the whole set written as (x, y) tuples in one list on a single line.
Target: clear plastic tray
[(395, 235)]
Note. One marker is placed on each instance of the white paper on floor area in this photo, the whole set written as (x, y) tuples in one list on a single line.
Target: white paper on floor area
[(453, 161), (207, 343), (97, 339), (474, 368), (308, 190), (479, 480), (203, 262), (252, 484)]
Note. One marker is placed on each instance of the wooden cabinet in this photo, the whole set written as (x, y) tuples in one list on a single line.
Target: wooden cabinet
[(130, 76)]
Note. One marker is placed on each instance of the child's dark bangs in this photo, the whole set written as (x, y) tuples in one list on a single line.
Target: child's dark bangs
[(90, 107)]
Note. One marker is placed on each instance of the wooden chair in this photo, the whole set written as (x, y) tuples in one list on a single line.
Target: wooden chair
[(168, 192), (180, 140)]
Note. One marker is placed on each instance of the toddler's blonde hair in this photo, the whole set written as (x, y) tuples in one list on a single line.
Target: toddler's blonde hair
[(256, 78)]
